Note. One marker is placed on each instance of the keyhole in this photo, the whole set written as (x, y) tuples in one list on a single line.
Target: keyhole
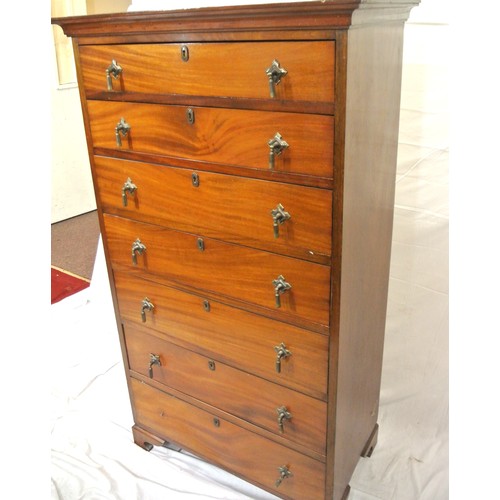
[(195, 179), (185, 53)]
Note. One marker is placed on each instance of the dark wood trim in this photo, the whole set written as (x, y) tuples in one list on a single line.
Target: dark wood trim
[(211, 36), (303, 180), (239, 304), (301, 16), (318, 108), (338, 200), (244, 424)]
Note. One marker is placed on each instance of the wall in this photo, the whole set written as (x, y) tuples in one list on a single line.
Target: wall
[(71, 181)]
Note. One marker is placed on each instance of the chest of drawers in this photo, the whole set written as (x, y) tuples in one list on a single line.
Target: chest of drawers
[(244, 164)]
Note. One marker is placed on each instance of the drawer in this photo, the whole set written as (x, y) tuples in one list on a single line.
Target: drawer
[(260, 402), (236, 209), (233, 448), (240, 272), (225, 136), (235, 69), (276, 351)]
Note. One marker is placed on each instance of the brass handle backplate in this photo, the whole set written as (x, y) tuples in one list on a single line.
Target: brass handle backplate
[(276, 146), (279, 217), (283, 414), (128, 187), (274, 75), (113, 70), (280, 287), (122, 129), (154, 359), (284, 474), (281, 353), (137, 248), (146, 305)]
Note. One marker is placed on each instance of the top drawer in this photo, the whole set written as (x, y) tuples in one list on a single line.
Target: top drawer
[(235, 69)]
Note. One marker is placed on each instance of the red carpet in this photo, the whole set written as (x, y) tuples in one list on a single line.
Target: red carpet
[(64, 284)]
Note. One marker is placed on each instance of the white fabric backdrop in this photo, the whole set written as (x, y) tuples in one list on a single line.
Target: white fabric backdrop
[(93, 456)]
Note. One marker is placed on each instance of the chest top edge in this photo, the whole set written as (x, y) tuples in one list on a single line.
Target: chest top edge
[(296, 16)]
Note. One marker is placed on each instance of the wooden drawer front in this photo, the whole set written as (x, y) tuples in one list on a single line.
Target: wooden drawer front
[(231, 390), (215, 69), (218, 135), (252, 345), (236, 449), (235, 209), (236, 271)]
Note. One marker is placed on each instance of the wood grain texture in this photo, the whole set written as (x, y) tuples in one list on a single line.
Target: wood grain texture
[(297, 17), (298, 20), (232, 208), (343, 123), (248, 340), (264, 104), (231, 137), (253, 173), (372, 118), (231, 390), (228, 445), (215, 69), (231, 270)]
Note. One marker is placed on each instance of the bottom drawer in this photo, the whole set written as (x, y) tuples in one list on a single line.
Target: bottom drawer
[(237, 450)]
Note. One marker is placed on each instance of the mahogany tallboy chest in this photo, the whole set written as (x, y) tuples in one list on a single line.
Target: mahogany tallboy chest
[(244, 164)]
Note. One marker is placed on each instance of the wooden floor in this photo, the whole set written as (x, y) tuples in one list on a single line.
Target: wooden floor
[(74, 244)]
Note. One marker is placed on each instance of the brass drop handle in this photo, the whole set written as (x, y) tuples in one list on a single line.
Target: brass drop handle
[(146, 305), (137, 248), (128, 187), (274, 74), (280, 287), (154, 359), (284, 474), (283, 414), (279, 217), (276, 146), (113, 70), (281, 353), (122, 129)]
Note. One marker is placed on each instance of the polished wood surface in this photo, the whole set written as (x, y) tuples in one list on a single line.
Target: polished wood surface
[(372, 107), (337, 109), (229, 270), (215, 69), (229, 207), (226, 444), (218, 135), (274, 21), (264, 104), (183, 318), (217, 384)]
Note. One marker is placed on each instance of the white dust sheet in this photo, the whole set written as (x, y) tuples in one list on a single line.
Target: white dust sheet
[(93, 455)]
